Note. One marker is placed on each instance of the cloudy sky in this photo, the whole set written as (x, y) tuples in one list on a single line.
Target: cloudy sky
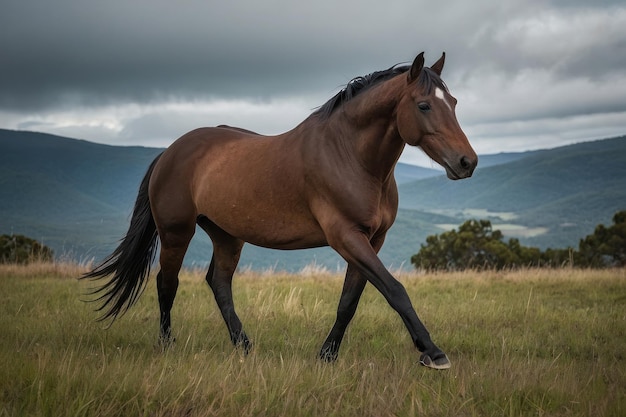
[(528, 74)]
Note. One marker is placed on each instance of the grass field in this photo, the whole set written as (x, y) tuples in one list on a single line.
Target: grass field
[(525, 343)]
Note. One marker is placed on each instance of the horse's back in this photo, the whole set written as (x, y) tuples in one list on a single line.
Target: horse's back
[(249, 185), (179, 163)]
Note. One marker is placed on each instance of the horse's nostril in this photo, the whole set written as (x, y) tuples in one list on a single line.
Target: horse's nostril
[(465, 163)]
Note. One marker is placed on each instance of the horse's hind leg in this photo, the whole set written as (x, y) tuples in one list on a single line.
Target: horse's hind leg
[(226, 252), (352, 289), (174, 244)]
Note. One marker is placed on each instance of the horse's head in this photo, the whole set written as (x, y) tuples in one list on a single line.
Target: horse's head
[(426, 118)]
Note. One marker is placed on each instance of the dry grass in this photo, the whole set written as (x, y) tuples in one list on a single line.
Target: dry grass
[(42, 269), (522, 343)]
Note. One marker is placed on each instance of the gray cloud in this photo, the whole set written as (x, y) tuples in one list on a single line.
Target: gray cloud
[(117, 71), (120, 50)]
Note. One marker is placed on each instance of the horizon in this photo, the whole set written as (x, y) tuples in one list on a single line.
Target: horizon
[(423, 162)]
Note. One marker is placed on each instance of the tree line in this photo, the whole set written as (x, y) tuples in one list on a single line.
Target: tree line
[(476, 245)]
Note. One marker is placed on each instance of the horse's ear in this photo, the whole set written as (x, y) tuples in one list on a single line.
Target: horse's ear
[(416, 68), (438, 66)]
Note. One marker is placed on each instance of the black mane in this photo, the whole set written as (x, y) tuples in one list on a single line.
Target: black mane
[(428, 80)]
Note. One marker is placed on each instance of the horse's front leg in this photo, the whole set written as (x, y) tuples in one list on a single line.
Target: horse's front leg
[(356, 249), (353, 287)]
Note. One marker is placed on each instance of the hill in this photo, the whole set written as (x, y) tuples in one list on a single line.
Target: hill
[(76, 197), (70, 194), (548, 198), (407, 173)]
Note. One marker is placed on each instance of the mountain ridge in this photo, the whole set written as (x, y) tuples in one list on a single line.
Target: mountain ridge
[(76, 196)]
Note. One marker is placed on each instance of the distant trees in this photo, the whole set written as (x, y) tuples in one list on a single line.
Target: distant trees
[(476, 245), (606, 246), (21, 249)]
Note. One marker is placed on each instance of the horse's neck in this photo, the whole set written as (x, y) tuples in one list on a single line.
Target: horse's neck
[(368, 128)]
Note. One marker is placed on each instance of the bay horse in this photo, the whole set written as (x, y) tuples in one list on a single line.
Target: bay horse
[(329, 181)]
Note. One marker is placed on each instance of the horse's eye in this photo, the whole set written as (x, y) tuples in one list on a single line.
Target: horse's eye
[(423, 106)]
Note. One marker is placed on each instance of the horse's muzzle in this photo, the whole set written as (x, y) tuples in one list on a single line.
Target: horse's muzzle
[(464, 168)]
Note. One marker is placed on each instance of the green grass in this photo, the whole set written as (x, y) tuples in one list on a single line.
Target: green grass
[(529, 343)]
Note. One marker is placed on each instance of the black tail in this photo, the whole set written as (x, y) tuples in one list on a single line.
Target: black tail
[(130, 262)]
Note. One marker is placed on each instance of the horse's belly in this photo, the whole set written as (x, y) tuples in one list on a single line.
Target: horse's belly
[(268, 225), (276, 232), (288, 242)]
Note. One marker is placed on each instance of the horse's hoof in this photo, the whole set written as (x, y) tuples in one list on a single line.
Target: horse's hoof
[(166, 343), (329, 352), (245, 346), (441, 362), (328, 356), (241, 342)]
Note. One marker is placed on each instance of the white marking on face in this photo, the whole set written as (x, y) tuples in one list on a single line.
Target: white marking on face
[(440, 95)]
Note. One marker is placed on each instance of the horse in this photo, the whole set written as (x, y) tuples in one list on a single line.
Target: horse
[(327, 182)]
